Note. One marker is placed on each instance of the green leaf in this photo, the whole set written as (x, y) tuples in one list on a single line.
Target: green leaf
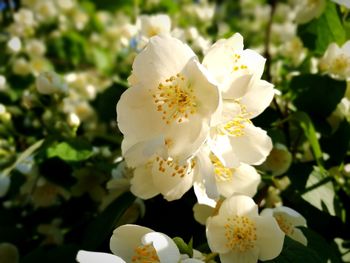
[(319, 33), (293, 251), (317, 95), (102, 59), (337, 144), (183, 247), (306, 124), (328, 252), (76, 150), (320, 191), (102, 227)]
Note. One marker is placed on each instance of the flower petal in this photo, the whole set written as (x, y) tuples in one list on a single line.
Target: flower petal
[(125, 239), (165, 247), (245, 180), (142, 184), (239, 205), (215, 232), (252, 147), (250, 256), (163, 57), (270, 237), (97, 257)]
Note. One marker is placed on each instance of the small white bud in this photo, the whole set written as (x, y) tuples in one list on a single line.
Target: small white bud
[(14, 44), (49, 82)]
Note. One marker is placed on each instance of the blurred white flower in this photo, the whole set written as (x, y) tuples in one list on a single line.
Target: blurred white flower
[(133, 243), (50, 82), (14, 44), (288, 220), (278, 161), (306, 10), (2, 83), (35, 47), (345, 3), (239, 234), (21, 67), (152, 25), (336, 61), (171, 99)]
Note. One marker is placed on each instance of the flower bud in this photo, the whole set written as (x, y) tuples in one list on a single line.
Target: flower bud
[(49, 82)]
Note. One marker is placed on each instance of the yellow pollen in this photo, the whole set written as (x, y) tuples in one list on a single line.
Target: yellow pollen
[(172, 168), (240, 232), (175, 99), (145, 254), (222, 173), (284, 224), (236, 126), (238, 66)]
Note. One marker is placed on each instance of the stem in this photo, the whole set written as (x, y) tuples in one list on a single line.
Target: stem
[(273, 4)]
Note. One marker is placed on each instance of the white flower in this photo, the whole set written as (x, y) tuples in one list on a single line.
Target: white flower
[(4, 184), (35, 47), (14, 44), (172, 97), (49, 83), (152, 25), (215, 180), (240, 235), (336, 60), (21, 67), (133, 243), (306, 10), (345, 3), (288, 219), (163, 176), (233, 137)]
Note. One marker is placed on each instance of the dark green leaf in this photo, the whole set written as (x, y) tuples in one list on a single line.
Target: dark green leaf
[(317, 95), (306, 124), (293, 251), (319, 33), (101, 228)]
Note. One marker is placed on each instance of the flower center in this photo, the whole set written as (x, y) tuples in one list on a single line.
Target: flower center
[(340, 64), (236, 65), (145, 254), (240, 232), (236, 126), (284, 224), (175, 99), (222, 173), (172, 168)]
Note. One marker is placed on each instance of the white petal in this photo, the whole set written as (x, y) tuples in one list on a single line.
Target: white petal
[(235, 87), (205, 88), (201, 194), (221, 146), (125, 239), (250, 256), (299, 236), (142, 184), (252, 147), (139, 153), (163, 57), (137, 115), (219, 58), (165, 247), (172, 183), (254, 62), (258, 97), (191, 260), (240, 205), (270, 237), (202, 212), (97, 257), (245, 180), (215, 232), (291, 215), (206, 174)]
